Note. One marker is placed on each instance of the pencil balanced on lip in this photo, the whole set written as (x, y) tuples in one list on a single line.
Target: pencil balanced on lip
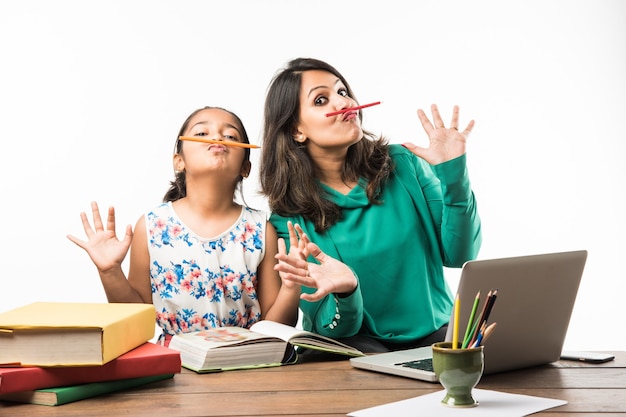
[(352, 109), (219, 142), (249, 145)]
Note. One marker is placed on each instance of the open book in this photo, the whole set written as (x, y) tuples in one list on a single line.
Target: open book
[(266, 343)]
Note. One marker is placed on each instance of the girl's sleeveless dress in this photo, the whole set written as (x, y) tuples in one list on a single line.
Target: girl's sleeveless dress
[(199, 283)]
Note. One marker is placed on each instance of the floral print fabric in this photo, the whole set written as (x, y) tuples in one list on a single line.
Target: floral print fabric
[(200, 283)]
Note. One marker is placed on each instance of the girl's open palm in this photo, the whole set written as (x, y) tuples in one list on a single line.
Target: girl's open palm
[(445, 143), (104, 248)]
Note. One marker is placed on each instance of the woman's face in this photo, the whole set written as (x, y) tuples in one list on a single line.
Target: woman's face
[(321, 93), (196, 157)]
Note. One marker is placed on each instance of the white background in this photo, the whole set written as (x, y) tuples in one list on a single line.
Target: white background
[(92, 94)]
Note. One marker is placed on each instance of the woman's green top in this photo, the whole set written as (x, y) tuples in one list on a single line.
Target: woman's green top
[(427, 220)]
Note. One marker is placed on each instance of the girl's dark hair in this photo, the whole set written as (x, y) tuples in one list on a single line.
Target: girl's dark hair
[(287, 172), (178, 187)]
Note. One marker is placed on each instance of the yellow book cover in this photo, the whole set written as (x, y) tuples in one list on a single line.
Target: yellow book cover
[(73, 334)]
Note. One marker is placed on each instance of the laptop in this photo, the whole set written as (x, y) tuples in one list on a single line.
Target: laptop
[(534, 303)]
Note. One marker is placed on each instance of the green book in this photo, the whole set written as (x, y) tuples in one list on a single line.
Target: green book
[(64, 395)]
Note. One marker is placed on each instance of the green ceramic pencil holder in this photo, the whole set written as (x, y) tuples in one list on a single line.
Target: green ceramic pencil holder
[(458, 370)]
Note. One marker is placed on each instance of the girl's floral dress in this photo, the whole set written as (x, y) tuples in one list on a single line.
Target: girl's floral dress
[(200, 283)]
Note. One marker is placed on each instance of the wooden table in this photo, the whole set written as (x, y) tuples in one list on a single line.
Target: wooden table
[(334, 388)]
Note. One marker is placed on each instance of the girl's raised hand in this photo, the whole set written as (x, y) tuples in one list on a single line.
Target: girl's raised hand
[(446, 143), (103, 246)]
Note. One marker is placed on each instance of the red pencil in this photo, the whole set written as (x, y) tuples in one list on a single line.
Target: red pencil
[(352, 108)]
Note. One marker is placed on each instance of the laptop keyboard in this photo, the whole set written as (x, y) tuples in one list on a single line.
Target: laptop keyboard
[(421, 364)]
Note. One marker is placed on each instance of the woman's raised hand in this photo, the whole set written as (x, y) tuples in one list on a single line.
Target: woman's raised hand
[(446, 143)]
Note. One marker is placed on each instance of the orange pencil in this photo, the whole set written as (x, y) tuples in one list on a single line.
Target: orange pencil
[(219, 142)]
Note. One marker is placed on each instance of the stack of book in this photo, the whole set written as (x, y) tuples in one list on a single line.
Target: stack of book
[(55, 353)]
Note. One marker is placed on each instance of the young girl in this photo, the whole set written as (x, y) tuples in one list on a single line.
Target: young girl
[(202, 259)]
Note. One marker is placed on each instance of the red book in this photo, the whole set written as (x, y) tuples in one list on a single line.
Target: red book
[(147, 359)]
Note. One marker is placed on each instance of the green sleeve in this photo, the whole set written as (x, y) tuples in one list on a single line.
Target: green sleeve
[(332, 316), (460, 228)]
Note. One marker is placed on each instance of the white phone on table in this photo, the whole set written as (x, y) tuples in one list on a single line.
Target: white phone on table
[(592, 357)]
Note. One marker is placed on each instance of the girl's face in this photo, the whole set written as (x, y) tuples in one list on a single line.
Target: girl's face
[(196, 158), (322, 92)]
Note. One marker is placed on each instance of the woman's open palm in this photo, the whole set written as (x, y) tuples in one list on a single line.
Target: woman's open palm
[(445, 143)]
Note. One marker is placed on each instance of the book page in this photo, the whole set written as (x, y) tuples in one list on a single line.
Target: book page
[(303, 338), (275, 329), (222, 336), (223, 348)]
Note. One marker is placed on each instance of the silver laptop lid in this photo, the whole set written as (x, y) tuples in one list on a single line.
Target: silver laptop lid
[(536, 296)]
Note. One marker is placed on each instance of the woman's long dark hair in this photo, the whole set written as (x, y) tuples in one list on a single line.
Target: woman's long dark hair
[(287, 171), (178, 186)]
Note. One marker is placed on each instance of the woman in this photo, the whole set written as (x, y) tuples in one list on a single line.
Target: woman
[(377, 222)]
